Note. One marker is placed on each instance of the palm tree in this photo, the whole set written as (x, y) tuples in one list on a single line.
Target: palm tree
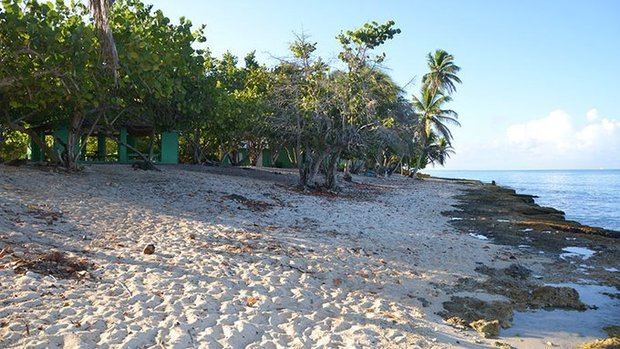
[(442, 73), (439, 151), (101, 11), (434, 121)]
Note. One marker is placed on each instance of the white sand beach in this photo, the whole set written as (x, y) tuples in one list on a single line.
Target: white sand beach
[(286, 270)]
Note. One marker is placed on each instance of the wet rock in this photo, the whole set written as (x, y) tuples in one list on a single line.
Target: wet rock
[(518, 271), (556, 297), (472, 309), (514, 283), (609, 343), (149, 249), (515, 289), (612, 331), (488, 329)]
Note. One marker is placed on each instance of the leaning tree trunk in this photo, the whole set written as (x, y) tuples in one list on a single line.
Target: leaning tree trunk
[(418, 165)]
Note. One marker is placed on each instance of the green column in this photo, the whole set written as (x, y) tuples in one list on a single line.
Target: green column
[(131, 140), (266, 158), (61, 134), (122, 149), (101, 150), (36, 153), (169, 148), (245, 158), (283, 160)]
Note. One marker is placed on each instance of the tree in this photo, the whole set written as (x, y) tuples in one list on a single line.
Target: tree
[(355, 99), (434, 120), (439, 151), (50, 73), (300, 104), (442, 75)]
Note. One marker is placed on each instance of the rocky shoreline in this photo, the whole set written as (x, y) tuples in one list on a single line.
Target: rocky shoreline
[(572, 252)]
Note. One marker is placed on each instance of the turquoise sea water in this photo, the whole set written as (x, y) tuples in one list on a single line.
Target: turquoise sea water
[(590, 197)]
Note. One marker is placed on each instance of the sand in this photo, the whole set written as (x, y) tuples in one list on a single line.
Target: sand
[(239, 262)]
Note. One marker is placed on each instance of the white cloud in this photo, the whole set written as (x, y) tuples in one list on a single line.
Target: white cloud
[(598, 133), (553, 131), (592, 115), (555, 141)]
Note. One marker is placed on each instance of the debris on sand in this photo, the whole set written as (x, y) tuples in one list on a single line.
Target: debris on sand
[(253, 205), (457, 322), (149, 249), (54, 263), (487, 329), (44, 213)]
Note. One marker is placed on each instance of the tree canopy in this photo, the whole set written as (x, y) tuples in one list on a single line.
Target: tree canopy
[(104, 65)]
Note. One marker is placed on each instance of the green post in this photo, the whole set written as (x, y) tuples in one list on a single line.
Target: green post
[(283, 160), (169, 148), (61, 135), (101, 150), (266, 158), (131, 142), (245, 158), (122, 149), (36, 153)]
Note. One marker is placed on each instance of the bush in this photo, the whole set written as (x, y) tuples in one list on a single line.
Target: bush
[(13, 145)]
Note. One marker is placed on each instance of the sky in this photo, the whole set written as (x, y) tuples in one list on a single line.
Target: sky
[(541, 82)]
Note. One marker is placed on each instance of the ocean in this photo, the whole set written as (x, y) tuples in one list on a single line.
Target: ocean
[(591, 197)]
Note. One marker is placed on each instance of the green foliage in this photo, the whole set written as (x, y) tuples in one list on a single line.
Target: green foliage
[(53, 74), (442, 75), (13, 145)]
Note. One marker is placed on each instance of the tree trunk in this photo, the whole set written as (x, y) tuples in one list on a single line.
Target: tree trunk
[(347, 171), (418, 164), (72, 149), (331, 181), (197, 148)]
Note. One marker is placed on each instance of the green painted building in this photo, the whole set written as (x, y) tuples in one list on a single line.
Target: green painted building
[(103, 147)]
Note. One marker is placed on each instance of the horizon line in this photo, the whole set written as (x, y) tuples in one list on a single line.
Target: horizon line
[(542, 169)]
